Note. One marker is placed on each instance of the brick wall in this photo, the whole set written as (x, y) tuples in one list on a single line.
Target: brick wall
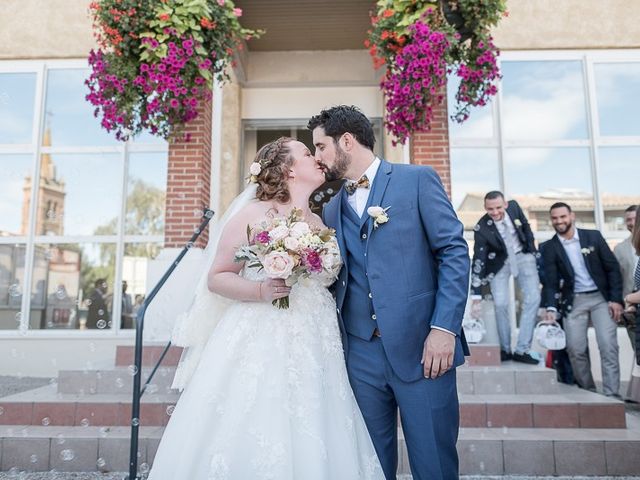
[(432, 147), (188, 182)]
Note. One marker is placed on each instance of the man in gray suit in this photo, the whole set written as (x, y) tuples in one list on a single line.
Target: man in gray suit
[(627, 258)]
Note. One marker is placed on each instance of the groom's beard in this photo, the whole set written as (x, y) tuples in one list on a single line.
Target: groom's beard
[(340, 166)]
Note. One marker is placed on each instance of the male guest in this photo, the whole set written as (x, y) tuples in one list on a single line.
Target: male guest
[(504, 247), (127, 307), (98, 315), (627, 258), (583, 282)]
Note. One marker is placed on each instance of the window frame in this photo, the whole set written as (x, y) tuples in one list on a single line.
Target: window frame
[(595, 141), (35, 149)]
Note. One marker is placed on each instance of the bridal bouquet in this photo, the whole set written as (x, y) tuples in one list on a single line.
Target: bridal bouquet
[(290, 249)]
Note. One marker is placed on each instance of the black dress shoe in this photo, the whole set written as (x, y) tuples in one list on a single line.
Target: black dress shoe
[(524, 358), (504, 356)]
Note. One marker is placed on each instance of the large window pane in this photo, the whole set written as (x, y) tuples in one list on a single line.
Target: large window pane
[(73, 286), (146, 192), (539, 177), (618, 96), (145, 137), (135, 265), (69, 118), (11, 285), (17, 97), (619, 174), (474, 172), (15, 194), (543, 101), (79, 194), (480, 121)]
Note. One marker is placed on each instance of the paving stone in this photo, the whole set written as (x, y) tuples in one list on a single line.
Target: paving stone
[(480, 457), (75, 455), (528, 457), (580, 458), (622, 458), (29, 454)]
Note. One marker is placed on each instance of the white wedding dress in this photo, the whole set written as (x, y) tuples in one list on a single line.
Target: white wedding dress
[(270, 399)]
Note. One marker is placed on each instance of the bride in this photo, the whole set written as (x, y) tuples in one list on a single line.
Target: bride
[(266, 393)]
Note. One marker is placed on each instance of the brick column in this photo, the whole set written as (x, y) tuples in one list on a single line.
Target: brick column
[(432, 147), (188, 182)]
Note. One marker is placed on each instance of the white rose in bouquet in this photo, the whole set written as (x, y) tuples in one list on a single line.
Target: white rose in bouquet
[(279, 233), (278, 265), (299, 229), (291, 243)]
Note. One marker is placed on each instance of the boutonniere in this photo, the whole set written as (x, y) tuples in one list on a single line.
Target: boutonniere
[(517, 222), (379, 215), (587, 251)]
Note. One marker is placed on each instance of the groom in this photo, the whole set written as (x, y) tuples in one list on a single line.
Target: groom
[(400, 295)]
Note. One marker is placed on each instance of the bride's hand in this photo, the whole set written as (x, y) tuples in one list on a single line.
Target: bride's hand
[(272, 289)]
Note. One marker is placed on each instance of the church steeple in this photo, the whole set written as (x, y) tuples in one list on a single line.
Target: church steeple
[(51, 195)]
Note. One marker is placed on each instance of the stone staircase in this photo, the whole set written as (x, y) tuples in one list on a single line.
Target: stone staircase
[(515, 419)]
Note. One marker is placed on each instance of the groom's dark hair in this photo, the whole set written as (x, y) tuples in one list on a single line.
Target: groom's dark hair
[(339, 120)]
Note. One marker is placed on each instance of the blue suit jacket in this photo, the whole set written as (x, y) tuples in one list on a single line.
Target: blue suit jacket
[(417, 264)]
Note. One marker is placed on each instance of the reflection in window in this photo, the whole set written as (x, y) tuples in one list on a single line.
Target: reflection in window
[(619, 173), (539, 177), (17, 98), (480, 121), (78, 194), (543, 100), (11, 285), (146, 192), (617, 87), (474, 172), (15, 189), (69, 117), (73, 286), (134, 278)]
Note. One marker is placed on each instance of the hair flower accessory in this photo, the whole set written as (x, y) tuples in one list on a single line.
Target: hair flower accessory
[(254, 170)]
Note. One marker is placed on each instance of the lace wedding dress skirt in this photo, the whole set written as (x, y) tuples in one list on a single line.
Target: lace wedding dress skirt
[(270, 399)]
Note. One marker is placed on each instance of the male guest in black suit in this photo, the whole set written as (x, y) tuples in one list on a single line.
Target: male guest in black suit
[(504, 246), (583, 282), (98, 315)]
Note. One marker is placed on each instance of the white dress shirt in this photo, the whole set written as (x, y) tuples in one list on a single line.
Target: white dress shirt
[(507, 231), (582, 278), (359, 199)]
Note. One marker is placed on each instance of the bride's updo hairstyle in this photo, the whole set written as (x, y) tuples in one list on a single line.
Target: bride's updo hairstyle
[(274, 160)]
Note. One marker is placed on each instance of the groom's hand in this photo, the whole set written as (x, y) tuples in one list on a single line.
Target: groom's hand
[(437, 356)]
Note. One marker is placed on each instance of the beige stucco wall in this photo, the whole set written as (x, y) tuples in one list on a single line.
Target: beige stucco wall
[(569, 24), (230, 161), (45, 29), (62, 28)]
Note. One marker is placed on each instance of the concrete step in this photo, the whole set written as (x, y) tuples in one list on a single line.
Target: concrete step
[(75, 449), (482, 451), (573, 408), (125, 355), (481, 355), (116, 380), (544, 451), (46, 407), (509, 378), (484, 355)]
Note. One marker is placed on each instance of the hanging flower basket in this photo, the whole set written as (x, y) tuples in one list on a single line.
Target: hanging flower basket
[(419, 43), (157, 60)]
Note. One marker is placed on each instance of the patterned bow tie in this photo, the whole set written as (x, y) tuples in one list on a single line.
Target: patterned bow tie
[(352, 186)]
